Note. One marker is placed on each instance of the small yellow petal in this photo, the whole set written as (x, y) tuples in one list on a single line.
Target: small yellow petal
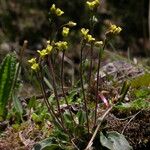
[(71, 24), (89, 38), (56, 11), (98, 43), (62, 45), (35, 66), (53, 8), (42, 53), (65, 31), (92, 5), (84, 31), (49, 48), (113, 29), (32, 60), (59, 12)]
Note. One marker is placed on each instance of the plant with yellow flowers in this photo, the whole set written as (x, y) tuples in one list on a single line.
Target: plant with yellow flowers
[(74, 130)]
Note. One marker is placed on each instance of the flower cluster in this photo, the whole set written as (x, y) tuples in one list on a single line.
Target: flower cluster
[(87, 37), (42, 54), (61, 45), (56, 11), (113, 30), (45, 51), (34, 64), (92, 5)]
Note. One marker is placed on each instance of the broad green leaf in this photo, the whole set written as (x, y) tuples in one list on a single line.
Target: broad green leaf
[(114, 141), (47, 144)]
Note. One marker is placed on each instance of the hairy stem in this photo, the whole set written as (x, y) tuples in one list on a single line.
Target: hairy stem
[(62, 85), (20, 62), (55, 89), (97, 82), (48, 105), (91, 65), (82, 84)]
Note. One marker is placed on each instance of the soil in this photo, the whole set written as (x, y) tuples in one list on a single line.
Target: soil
[(136, 128)]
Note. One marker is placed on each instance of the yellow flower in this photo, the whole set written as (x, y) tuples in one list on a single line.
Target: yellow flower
[(42, 53), (71, 24), (89, 38), (84, 31), (59, 12), (49, 48), (65, 31), (35, 66), (32, 60), (118, 30), (92, 5), (114, 29), (48, 42), (53, 9), (98, 43), (62, 45), (56, 11)]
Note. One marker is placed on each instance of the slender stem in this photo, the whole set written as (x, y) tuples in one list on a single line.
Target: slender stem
[(20, 62), (49, 107), (62, 85), (55, 89), (91, 65), (18, 68), (97, 83), (82, 86)]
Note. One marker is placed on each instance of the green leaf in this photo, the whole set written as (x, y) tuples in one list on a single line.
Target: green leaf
[(124, 91), (7, 76), (32, 102), (17, 104), (140, 81), (81, 117), (114, 141), (52, 147), (48, 83), (36, 118), (67, 117), (47, 144), (59, 134)]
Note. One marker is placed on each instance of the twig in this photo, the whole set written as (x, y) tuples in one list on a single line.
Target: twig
[(131, 120), (74, 144), (97, 128)]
